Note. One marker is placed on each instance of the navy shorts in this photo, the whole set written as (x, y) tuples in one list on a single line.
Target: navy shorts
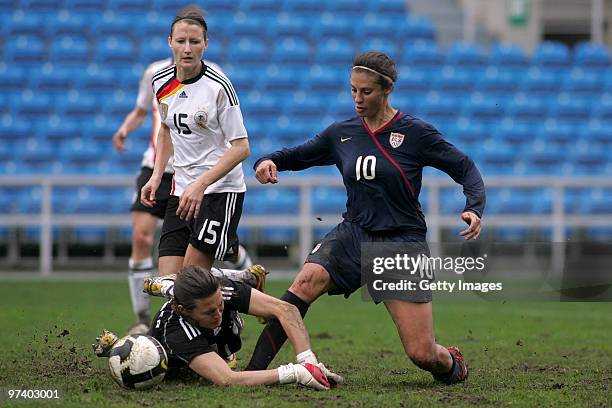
[(161, 197), (339, 252)]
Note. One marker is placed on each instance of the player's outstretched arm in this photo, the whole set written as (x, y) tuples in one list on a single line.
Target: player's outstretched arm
[(215, 369), (132, 121), (266, 172)]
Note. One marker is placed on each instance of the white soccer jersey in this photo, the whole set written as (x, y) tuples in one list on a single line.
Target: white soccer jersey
[(203, 114), (146, 101)]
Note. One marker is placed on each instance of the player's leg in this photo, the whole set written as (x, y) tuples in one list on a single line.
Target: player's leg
[(241, 260), (141, 267), (214, 231), (414, 322), (310, 283)]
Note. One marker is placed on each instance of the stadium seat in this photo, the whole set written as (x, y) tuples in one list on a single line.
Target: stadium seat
[(557, 135), (329, 25), (508, 55), (497, 159), (465, 55), (322, 79), (483, 110), (453, 83), (540, 82), (247, 50), (273, 201), (115, 49), (129, 6), (68, 24), (306, 8), (582, 84), (591, 55), (69, 50), (419, 28), (497, 83), (551, 55), (379, 43), (34, 105), (569, 110), (518, 135), (290, 25), (527, 109), (422, 55), (388, 7), (436, 108), (603, 110), (336, 51), (547, 162), (411, 82), (25, 49), (291, 51), (592, 162), (79, 107), (19, 23), (52, 80), (254, 25), (327, 200), (305, 106)]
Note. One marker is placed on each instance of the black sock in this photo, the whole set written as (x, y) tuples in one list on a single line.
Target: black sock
[(273, 336)]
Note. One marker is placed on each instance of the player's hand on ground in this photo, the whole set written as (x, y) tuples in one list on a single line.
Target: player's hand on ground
[(474, 226), (119, 139), (190, 201), (334, 379), (308, 375), (266, 172), (147, 193)]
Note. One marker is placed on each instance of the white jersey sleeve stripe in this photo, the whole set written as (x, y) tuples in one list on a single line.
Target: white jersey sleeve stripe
[(225, 79), (231, 95), (163, 72)]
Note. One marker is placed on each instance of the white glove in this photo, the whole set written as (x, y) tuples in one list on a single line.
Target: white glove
[(334, 379), (306, 374)]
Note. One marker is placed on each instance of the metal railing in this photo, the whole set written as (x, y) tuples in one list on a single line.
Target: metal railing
[(557, 219)]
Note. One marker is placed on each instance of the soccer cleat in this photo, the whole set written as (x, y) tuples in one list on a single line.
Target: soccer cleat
[(159, 286), (459, 372), (104, 343), (260, 274)]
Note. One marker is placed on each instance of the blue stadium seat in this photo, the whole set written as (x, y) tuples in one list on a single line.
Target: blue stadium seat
[(97, 82), (595, 201), (419, 28), (25, 49), (68, 24), (452, 201), (379, 43), (557, 135), (328, 200), (411, 81), (551, 55), (465, 55), (388, 7), (113, 24), (216, 51), (329, 25), (273, 201), (247, 50), (345, 7), (82, 107), (85, 6), (592, 162), (308, 8), (582, 84), (305, 106), (52, 80), (69, 50), (253, 25), (13, 130), (528, 109), (541, 82), (157, 48), (422, 55), (518, 135), (392, 27), (153, 25), (603, 109), (453, 83), (508, 55), (291, 51), (483, 110), (259, 104), (435, 109), (497, 83), (591, 55), (34, 105), (511, 234), (115, 49), (497, 159), (129, 6), (20, 23), (337, 51), (547, 162), (267, 6), (600, 133), (570, 110), (323, 80), (290, 25)]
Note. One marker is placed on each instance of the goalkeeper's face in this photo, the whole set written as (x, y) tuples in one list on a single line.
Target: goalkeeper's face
[(208, 311)]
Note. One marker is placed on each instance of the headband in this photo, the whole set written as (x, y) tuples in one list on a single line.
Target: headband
[(388, 78)]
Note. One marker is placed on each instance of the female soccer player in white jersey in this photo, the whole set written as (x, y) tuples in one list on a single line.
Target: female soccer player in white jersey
[(144, 219), (202, 128)]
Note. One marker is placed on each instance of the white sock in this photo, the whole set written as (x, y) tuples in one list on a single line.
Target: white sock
[(243, 260), (235, 275), (140, 300)]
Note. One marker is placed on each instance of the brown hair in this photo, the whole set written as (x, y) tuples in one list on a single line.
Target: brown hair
[(191, 14), (380, 63), (193, 282)]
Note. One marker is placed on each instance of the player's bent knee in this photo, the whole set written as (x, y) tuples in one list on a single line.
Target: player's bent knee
[(142, 239), (312, 281)]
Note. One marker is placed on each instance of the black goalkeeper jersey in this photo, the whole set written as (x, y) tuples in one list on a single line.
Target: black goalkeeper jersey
[(382, 169)]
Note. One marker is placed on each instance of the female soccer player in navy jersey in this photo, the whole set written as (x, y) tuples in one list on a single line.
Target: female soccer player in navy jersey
[(380, 153)]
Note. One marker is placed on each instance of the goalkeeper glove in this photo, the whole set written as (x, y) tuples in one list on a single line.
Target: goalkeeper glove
[(308, 375)]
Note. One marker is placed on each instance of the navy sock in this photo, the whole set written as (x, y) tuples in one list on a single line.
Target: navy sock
[(273, 336)]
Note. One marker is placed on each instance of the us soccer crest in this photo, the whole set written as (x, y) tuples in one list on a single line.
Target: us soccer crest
[(396, 139), (201, 119), (163, 111)]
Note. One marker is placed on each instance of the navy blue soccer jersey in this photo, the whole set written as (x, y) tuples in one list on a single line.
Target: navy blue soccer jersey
[(383, 170)]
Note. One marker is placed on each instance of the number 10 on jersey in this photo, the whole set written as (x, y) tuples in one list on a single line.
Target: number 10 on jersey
[(365, 167)]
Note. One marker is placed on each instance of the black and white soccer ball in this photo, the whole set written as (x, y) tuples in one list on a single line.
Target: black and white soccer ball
[(138, 361)]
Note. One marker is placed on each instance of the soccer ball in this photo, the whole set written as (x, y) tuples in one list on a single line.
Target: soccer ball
[(138, 361)]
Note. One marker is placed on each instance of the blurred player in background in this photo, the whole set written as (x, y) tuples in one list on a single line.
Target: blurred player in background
[(202, 129), (380, 153), (144, 219)]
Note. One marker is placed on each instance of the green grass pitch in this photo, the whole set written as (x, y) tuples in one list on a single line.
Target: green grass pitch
[(519, 354)]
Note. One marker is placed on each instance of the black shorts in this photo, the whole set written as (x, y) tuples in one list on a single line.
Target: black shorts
[(213, 232), (339, 252), (161, 197)]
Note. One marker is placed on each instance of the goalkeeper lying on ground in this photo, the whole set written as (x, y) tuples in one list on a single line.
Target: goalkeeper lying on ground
[(200, 328)]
